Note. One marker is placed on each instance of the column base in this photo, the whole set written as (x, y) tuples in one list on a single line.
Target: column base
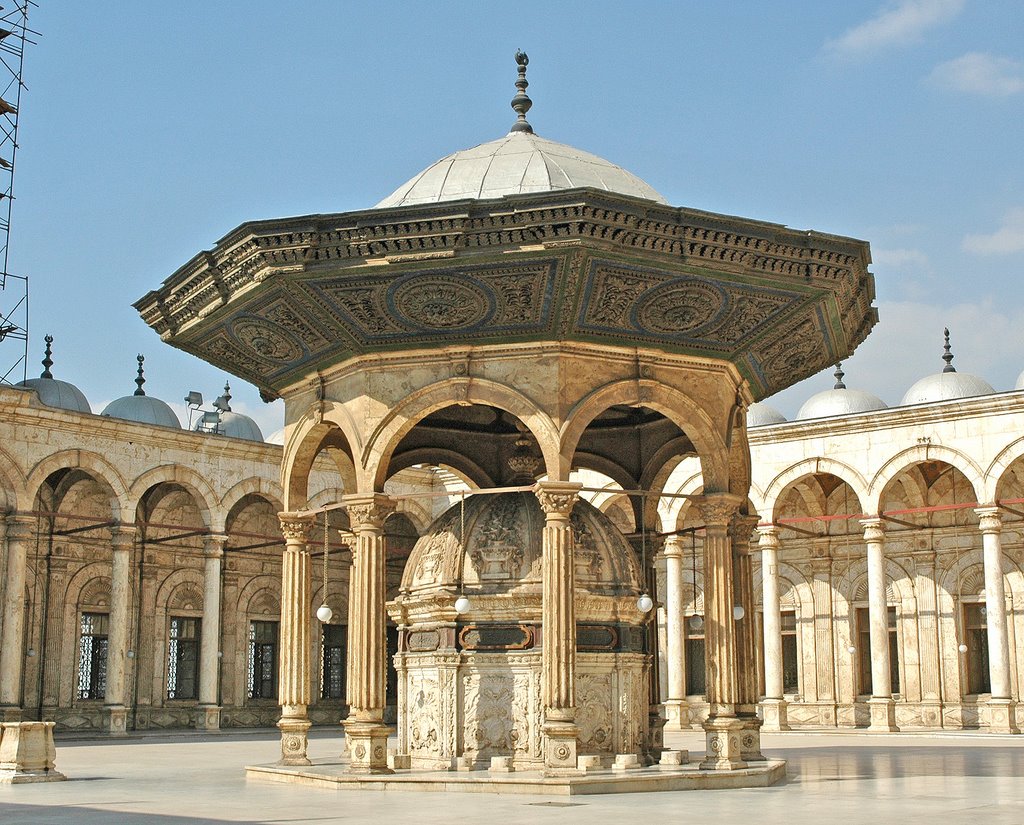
[(208, 717), (367, 746), (775, 715), (882, 712), (117, 719), (677, 714), (1002, 716), (724, 744), (294, 738), (750, 738), (561, 740), (27, 753), (655, 735), (10, 713)]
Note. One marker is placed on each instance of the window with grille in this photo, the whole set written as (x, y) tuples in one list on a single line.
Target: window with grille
[(976, 639), (335, 641), (864, 650), (696, 684), (790, 667), (92, 656), (263, 660), (183, 658)]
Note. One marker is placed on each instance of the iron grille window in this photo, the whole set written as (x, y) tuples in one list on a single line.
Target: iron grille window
[(183, 658), (263, 660), (92, 656), (864, 650), (334, 645), (976, 639), (696, 683), (790, 666)]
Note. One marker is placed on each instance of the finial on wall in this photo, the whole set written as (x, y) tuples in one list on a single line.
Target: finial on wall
[(47, 360), (521, 103), (948, 356), (141, 378)]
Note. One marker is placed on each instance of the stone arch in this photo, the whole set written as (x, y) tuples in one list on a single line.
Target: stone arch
[(852, 585), (679, 408), (415, 407), (415, 512), (904, 460), (307, 441), (997, 469), (436, 456), (189, 480), (13, 494), (179, 587), (268, 490), (673, 510), (261, 596), (326, 497), (94, 465), (809, 467)]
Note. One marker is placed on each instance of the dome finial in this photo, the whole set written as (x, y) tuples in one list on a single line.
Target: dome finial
[(227, 397), (47, 360), (839, 385), (521, 103), (948, 356), (141, 378)]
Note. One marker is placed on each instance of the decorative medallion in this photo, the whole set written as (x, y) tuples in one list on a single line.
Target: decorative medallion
[(266, 340), (679, 308), (441, 303)]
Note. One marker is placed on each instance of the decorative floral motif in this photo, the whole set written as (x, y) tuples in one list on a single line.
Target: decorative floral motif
[(680, 308), (441, 303), (266, 340)]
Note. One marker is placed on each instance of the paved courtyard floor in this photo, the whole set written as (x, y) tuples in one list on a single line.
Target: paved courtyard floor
[(833, 778)]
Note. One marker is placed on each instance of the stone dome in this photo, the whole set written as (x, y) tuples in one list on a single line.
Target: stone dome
[(145, 409), (53, 393), (1020, 382), (502, 551), (236, 425), (276, 437), (760, 414), (516, 164), (839, 401), (60, 394), (142, 408), (945, 386), (948, 384)]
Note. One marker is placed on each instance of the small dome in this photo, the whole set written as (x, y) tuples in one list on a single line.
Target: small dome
[(503, 550), (839, 401), (1020, 382), (59, 394), (235, 425), (760, 414), (945, 386), (142, 408), (276, 437), (948, 384)]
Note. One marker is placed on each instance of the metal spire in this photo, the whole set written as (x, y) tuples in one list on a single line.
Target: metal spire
[(227, 397), (839, 385), (521, 103), (47, 360), (141, 379), (948, 357)]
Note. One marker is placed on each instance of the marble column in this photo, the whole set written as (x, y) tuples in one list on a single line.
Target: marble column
[(723, 728), (54, 647), (208, 714), (558, 614), (12, 640), (1001, 707), (365, 730), (773, 706), (748, 651), (882, 708), (122, 538), (675, 704), (293, 682)]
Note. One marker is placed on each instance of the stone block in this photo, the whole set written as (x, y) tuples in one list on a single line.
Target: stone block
[(673, 759), (464, 763), (501, 764), (399, 761), (588, 763), (27, 753), (626, 762)]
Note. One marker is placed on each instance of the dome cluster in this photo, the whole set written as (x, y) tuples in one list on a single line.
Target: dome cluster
[(946, 385)]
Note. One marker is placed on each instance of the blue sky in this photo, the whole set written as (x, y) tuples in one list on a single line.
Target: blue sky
[(149, 130)]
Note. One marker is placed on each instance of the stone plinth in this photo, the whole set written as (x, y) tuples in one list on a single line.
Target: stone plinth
[(27, 753)]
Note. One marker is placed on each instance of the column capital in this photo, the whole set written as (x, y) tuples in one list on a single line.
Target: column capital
[(874, 529), (296, 526), (367, 511), (17, 525), (674, 547), (743, 525), (768, 536), (717, 509), (990, 519), (213, 545), (557, 498), (122, 536)]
